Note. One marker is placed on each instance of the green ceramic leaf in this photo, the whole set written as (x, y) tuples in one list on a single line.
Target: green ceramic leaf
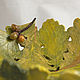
[(53, 38), (8, 30), (8, 48)]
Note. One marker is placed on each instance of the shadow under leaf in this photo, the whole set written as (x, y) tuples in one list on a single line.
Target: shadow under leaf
[(11, 72)]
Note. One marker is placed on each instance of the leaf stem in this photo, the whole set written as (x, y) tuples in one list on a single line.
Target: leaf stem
[(30, 24)]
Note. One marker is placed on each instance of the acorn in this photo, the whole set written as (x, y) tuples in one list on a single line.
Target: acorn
[(21, 38), (14, 35), (14, 27)]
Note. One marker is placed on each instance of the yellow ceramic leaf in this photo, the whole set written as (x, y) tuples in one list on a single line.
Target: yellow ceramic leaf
[(68, 74), (53, 38), (32, 54), (73, 56), (37, 73)]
